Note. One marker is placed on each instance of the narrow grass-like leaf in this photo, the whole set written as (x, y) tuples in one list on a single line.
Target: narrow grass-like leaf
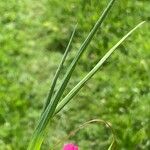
[(54, 81), (67, 76), (50, 109), (75, 90)]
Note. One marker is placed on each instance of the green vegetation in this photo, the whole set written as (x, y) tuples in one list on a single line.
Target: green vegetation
[(33, 37)]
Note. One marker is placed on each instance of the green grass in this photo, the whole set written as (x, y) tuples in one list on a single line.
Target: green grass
[(33, 36)]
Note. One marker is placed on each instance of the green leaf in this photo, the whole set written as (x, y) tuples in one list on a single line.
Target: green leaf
[(75, 90), (54, 81), (38, 134), (67, 76)]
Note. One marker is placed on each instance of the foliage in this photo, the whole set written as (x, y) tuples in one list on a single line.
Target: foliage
[(33, 34)]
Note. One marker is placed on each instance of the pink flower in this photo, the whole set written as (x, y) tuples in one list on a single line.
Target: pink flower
[(70, 147)]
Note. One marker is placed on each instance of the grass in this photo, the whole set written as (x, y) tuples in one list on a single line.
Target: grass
[(51, 104), (32, 41)]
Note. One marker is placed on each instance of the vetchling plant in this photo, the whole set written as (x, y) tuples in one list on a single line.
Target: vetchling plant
[(54, 102)]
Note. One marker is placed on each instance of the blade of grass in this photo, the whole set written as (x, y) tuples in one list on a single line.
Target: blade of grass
[(54, 81), (38, 137), (52, 105), (59, 92), (67, 76), (38, 141), (75, 90)]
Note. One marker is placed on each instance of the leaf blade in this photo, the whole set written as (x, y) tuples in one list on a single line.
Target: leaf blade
[(75, 90), (54, 81), (50, 109), (67, 76)]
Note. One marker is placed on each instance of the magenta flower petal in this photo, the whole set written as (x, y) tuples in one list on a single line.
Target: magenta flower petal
[(70, 147), (75, 147)]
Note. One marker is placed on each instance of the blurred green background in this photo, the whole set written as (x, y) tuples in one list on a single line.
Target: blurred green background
[(33, 37)]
